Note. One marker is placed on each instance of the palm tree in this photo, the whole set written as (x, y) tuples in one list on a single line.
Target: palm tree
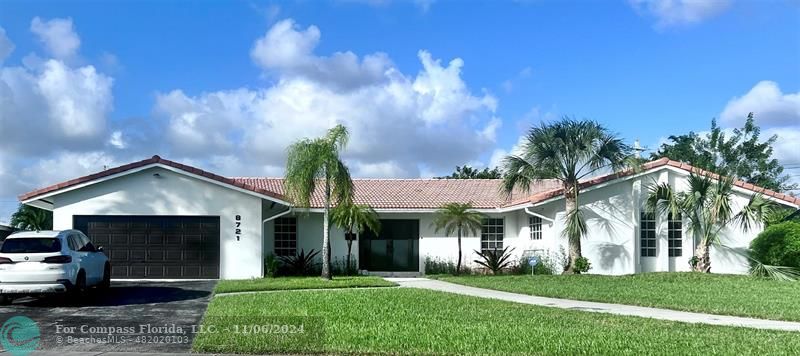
[(313, 160), (458, 217), (567, 150), (354, 218), (707, 206), (32, 218)]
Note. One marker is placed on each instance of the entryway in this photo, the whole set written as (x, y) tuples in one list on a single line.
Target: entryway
[(394, 249)]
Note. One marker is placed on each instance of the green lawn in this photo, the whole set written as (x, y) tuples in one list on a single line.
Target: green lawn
[(707, 293), (288, 283), (412, 321)]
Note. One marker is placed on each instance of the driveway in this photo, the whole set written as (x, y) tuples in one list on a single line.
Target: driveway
[(138, 316)]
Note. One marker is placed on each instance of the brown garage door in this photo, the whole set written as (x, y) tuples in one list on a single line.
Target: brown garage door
[(156, 246)]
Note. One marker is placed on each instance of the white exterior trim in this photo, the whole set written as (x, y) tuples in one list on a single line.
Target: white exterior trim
[(145, 167)]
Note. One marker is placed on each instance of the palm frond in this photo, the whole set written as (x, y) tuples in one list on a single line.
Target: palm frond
[(778, 273), (757, 212), (452, 216)]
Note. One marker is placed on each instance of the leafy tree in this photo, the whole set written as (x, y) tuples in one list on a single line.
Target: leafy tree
[(458, 217), (467, 172), (32, 218), (317, 160), (741, 154), (354, 218), (708, 207), (568, 150)]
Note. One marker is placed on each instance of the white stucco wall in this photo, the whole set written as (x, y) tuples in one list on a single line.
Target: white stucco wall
[(171, 193)]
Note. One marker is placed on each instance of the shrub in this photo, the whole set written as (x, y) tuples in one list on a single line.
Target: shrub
[(494, 260), (271, 265), (546, 266), (441, 266), (339, 266), (582, 265), (301, 264), (778, 245)]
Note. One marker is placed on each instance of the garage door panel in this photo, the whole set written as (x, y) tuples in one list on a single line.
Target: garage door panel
[(156, 246), (178, 271)]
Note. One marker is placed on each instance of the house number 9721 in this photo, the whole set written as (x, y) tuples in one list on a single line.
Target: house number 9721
[(238, 231)]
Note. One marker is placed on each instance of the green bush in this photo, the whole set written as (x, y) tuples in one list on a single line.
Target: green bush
[(441, 266), (546, 265), (778, 245), (582, 265), (494, 260), (339, 266), (271, 265)]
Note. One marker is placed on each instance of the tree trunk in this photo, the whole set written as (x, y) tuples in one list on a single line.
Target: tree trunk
[(571, 198), (326, 233), (349, 239), (703, 257), (458, 265)]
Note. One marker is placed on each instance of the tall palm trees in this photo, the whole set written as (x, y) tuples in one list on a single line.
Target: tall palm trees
[(354, 218), (31, 218), (458, 217), (567, 150), (311, 160), (707, 206)]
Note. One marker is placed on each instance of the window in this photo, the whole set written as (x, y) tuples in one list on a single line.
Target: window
[(492, 234), (647, 234), (31, 245), (675, 236), (286, 236), (75, 243), (535, 224)]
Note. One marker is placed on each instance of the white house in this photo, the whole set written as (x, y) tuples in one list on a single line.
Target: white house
[(161, 219)]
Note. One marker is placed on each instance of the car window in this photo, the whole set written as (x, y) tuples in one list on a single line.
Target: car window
[(86, 245), (74, 243), (31, 245)]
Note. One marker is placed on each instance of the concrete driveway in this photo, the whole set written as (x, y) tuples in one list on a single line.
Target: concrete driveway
[(129, 317)]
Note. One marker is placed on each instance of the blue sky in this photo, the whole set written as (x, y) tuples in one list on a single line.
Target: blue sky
[(187, 80)]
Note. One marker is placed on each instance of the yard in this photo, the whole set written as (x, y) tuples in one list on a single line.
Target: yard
[(707, 293), (288, 283), (411, 321)]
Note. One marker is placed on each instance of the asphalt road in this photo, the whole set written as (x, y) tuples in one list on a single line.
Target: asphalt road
[(155, 317)]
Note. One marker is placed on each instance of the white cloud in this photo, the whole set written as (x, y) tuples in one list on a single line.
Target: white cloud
[(673, 13), (288, 50), (64, 165), (57, 35), (68, 106), (398, 122), (770, 106), (6, 46)]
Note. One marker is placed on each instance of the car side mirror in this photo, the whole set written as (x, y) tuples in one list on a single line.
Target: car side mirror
[(99, 249)]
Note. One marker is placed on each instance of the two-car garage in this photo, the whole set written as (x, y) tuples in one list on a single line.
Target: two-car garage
[(170, 247), (159, 219)]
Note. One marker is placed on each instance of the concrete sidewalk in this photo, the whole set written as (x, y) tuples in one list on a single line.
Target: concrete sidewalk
[(617, 309)]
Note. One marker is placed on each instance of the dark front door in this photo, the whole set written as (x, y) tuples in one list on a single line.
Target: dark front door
[(156, 246), (394, 249)]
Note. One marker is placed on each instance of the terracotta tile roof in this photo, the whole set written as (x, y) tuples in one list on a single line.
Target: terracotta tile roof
[(407, 193), (417, 193), (142, 163), (545, 195)]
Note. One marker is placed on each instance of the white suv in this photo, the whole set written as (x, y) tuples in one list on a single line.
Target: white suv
[(46, 262)]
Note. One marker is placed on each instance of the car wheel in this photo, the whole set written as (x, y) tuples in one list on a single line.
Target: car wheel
[(5, 300), (78, 292), (106, 283)]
